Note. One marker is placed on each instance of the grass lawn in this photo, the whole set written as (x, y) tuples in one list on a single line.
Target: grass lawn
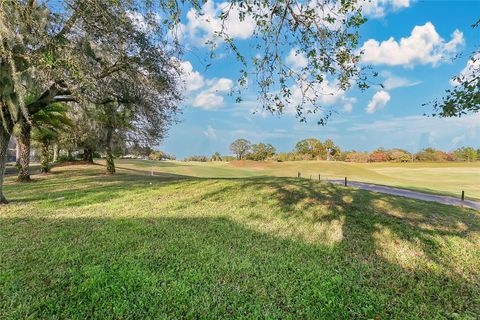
[(78, 244), (441, 178)]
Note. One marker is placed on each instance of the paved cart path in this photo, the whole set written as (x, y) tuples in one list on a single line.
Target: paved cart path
[(410, 194)]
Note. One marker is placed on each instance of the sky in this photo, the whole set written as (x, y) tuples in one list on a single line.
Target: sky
[(415, 46)]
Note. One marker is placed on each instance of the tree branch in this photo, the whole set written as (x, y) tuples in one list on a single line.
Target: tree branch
[(56, 93)]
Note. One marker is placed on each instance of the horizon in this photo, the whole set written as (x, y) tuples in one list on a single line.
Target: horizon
[(413, 45)]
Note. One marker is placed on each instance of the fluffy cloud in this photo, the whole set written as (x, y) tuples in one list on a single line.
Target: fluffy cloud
[(193, 79), (296, 60), (207, 93), (378, 102), (423, 46), (220, 85), (202, 27), (208, 101), (470, 71), (210, 98), (378, 8)]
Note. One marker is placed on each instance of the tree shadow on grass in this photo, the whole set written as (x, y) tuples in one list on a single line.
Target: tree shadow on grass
[(204, 268), (85, 186), (279, 248), (148, 163), (420, 237)]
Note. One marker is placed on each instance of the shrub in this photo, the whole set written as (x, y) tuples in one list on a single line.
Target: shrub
[(197, 158), (355, 156), (378, 156), (160, 155), (65, 158)]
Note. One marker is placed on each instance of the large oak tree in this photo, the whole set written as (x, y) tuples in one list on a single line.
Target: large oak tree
[(67, 49)]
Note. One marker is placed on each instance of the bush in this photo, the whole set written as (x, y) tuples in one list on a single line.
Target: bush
[(466, 154), (65, 158), (197, 158), (379, 156), (431, 155), (399, 155), (355, 156), (160, 155)]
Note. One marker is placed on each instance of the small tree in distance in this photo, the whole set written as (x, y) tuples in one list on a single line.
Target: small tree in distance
[(310, 148), (240, 148), (216, 157), (262, 151), (331, 149), (468, 154)]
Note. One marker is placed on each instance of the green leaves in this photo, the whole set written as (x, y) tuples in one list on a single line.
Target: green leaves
[(464, 98), (324, 32)]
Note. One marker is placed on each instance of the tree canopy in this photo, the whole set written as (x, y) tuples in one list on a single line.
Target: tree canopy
[(240, 148), (464, 97), (119, 63)]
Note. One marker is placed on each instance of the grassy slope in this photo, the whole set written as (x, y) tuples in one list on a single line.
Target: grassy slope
[(78, 244), (442, 178)]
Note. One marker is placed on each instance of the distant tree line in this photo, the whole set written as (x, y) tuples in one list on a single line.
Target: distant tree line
[(314, 149), (399, 155)]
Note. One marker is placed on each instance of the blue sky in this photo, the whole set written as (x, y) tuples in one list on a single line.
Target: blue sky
[(410, 43)]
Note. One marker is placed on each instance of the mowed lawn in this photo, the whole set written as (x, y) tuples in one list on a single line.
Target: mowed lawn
[(448, 178), (78, 244)]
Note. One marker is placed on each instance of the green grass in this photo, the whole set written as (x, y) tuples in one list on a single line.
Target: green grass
[(441, 178), (78, 244)]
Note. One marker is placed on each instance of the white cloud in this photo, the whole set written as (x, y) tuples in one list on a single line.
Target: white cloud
[(471, 70), (379, 8), (423, 46), (201, 27), (210, 98), (193, 79), (208, 101), (296, 60), (392, 81), (328, 95), (220, 85), (210, 133), (204, 93), (325, 94), (378, 102)]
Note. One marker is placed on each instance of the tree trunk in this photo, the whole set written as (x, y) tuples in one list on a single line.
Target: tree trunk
[(88, 155), (4, 139), (24, 147), (44, 166), (17, 152), (56, 151), (109, 158)]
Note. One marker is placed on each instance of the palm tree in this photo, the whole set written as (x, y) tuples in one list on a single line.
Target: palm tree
[(47, 125), (23, 134)]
